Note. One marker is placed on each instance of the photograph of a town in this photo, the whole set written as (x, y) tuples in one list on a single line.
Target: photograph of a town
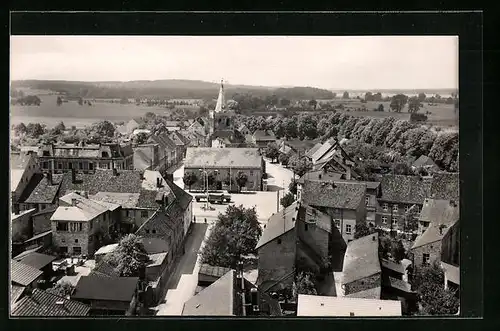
[(234, 176)]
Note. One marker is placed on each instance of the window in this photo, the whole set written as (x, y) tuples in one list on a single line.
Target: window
[(425, 258), (367, 200), (351, 314), (147, 230), (91, 238), (63, 240), (394, 221), (144, 213), (348, 228), (42, 207), (80, 165), (153, 231), (306, 226), (279, 241), (251, 172), (105, 154), (337, 223), (126, 213), (395, 208), (407, 208), (385, 206), (63, 249), (76, 241), (62, 226), (77, 250), (59, 165), (384, 219)]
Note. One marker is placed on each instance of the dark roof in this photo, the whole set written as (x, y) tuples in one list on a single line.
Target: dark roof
[(104, 269), (446, 186), (397, 267), (424, 161), (36, 260), (42, 304), (198, 157), (94, 287), (397, 284), (23, 274), (440, 211), (155, 245), (214, 271), (405, 189), (163, 140), (45, 192), (182, 197), (178, 139), (127, 181), (161, 221), (32, 185), (264, 135), (435, 232), (279, 224), (361, 259), (310, 152), (334, 195), (147, 199)]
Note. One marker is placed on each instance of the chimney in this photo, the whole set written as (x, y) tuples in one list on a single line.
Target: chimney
[(73, 176), (49, 178), (74, 202), (254, 298), (319, 176), (115, 171), (158, 182)]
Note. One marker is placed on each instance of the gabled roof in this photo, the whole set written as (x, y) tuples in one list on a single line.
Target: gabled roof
[(264, 135), (325, 148), (361, 259), (84, 210), (405, 189), (215, 300), (45, 192), (445, 185), (23, 274), (178, 139), (440, 211), (126, 200), (199, 157), (279, 224), (334, 194), (141, 160), (43, 304), (126, 181), (319, 175), (104, 269), (435, 232), (36, 260), (95, 287), (163, 140), (424, 161), (452, 272), (315, 305)]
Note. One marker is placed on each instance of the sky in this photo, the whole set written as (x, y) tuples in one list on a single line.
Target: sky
[(390, 62)]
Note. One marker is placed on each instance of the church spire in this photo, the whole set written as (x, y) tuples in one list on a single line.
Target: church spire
[(221, 102)]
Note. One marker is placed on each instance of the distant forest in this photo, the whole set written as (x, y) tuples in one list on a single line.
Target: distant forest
[(168, 89)]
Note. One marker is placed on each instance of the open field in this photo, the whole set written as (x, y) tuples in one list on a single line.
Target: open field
[(71, 113)]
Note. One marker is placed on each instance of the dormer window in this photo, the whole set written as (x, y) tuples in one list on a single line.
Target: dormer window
[(105, 154)]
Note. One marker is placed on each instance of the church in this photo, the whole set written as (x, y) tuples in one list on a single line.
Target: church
[(221, 130)]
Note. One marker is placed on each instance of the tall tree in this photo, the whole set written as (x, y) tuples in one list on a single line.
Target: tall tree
[(129, 257), (362, 230), (398, 102), (189, 179), (59, 101), (241, 179), (272, 151), (304, 284), (287, 200), (421, 97), (414, 105), (313, 103), (345, 95)]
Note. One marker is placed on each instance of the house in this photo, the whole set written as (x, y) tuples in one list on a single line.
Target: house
[(437, 211), (344, 201), (103, 251), (21, 225), (395, 283), (243, 129), (261, 138), (284, 148), (445, 186), (107, 295), (398, 194), (24, 176), (135, 123), (225, 163), (424, 162), (195, 138), (164, 156), (46, 193), (440, 238), (297, 238), (361, 275), (231, 295), (44, 304), (85, 157), (181, 144), (198, 126), (207, 275), (42, 262), (78, 222), (24, 275), (146, 157), (315, 305)]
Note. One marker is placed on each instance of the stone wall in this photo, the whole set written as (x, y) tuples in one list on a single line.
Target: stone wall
[(433, 249), (277, 260), (41, 222), (364, 284)]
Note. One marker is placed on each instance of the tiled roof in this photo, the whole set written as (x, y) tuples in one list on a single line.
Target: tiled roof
[(36, 260), (21, 214), (215, 300), (32, 184), (23, 274), (340, 195), (43, 304), (424, 161), (126, 181), (264, 135), (315, 305), (440, 211), (398, 267), (325, 148), (15, 293), (405, 189), (95, 287), (182, 197), (162, 221), (301, 146), (104, 269), (163, 140), (84, 210), (147, 199), (279, 224), (178, 139), (214, 271), (371, 293), (445, 185), (126, 200), (361, 259), (435, 232), (45, 192), (198, 157), (155, 245)]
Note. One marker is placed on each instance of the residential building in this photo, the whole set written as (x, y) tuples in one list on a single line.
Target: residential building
[(344, 201), (228, 138), (44, 304), (244, 130), (108, 295), (21, 225), (395, 283), (133, 124), (261, 138), (146, 157), (199, 126), (328, 306), (231, 295), (445, 186), (167, 153), (425, 162), (78, 222), (437, 211), (361, 275), (225, 163), (195, 138), (297, 238), (181, 144), (24, 275), (24, 175), (41, 221), (46, 193), (286, 149), (42, 262), (208, 274), (85, 157)]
